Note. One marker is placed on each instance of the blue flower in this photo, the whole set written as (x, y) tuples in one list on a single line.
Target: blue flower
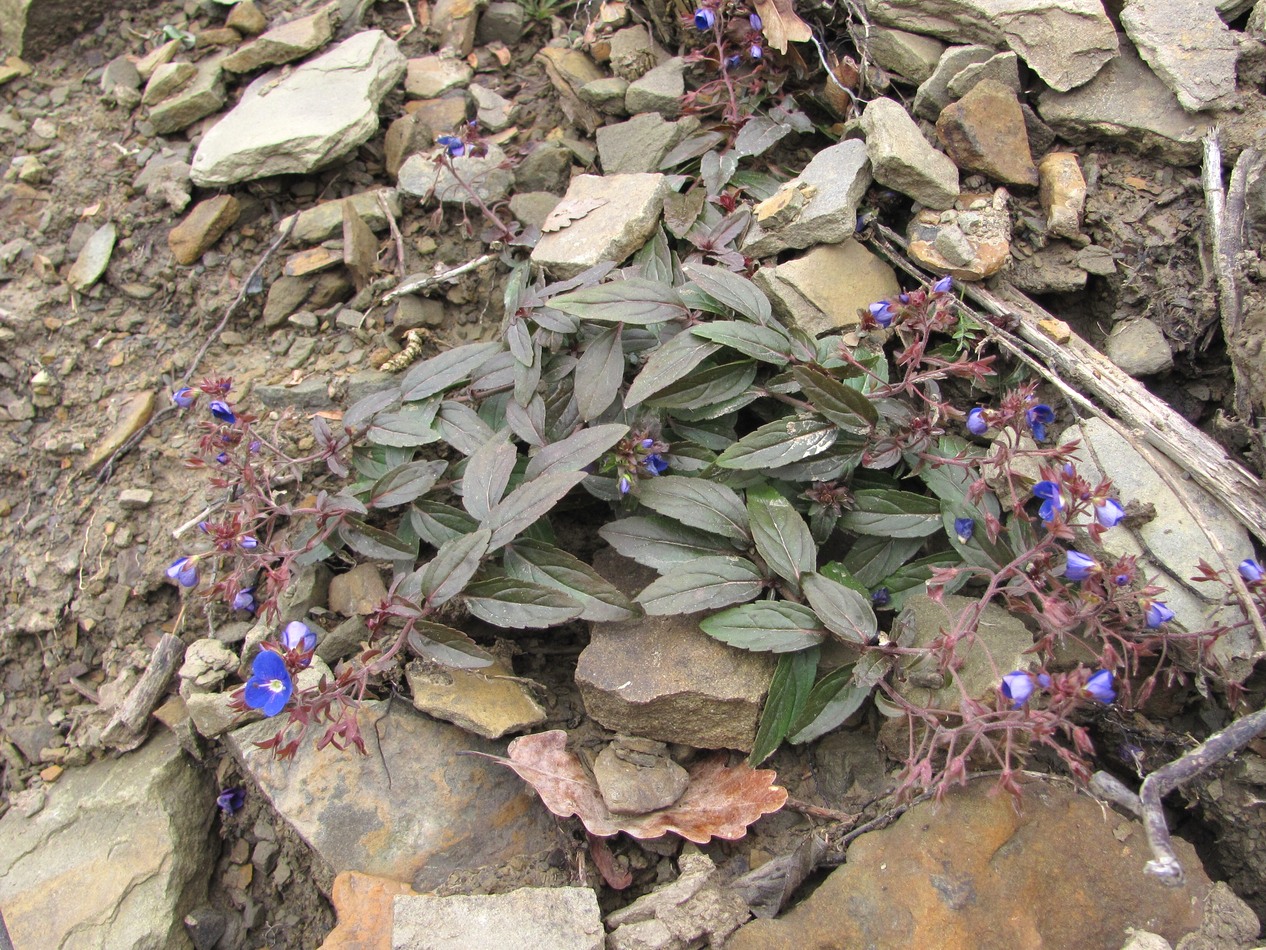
[(184, 397), (976, 423), (731, 62), (1039, 417), (655, 463), (269, 687), (1017, 687), (245, 599), (705, 19), (455, 146), (248, 541), (1121, 579), (1079, 567), (944, 285), (231, 800), (755, 51), (882, 313), (1110, 513), (298, 636), (1053, 500), (755, 21), (1156, 614), (882, 597), (1099, 687), (1250, 570), (964, 528), (220, 409), (624, 484), (184, 571), (223, 458)]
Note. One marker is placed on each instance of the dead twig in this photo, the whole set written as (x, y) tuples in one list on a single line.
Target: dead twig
[(396, 236), (411, 285), (128, 727), (1147, 804)]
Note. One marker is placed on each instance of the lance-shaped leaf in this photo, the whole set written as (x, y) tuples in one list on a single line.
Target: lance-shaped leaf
[(454, 564), (447, 646), (837, 401), (890, 513), (697, 503), (833, 699), (788, 693), (599, 373), (720, 801), (405, 483), (447, 369), (773, 625), (763, 343), (872, 558), (374, 542), (703, 584), (785, 440), (516, 603), (526, 504), (667, 365), (737, 293), (782, 538), (486, 475), (435, 522), (364, 409), (634, 301), (577, 451), (552, 567), (405, 429), (661, 543), (707, 387), (843, 610), (461, 427)]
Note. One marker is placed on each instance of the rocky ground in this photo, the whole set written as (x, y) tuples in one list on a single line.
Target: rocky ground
[(157, 161)]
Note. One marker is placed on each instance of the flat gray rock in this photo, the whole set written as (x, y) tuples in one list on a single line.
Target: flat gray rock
[(311, 118), (1139, 348), (933, 93), (196, 99), (908, 55), (93, 259), (530, 918), (641, 143), (1127, 104), (119, 854), (1066, 42), (903, 160), (485, 175), (822, 291), (1188, 47)]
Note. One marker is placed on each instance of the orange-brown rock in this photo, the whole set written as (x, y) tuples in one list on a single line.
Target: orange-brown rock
[(984, 132), (975, 872), (363, 905), (205, 225)]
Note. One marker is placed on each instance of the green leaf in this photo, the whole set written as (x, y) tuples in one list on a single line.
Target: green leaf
[(435, 522), (374, 542), (655, 258), (405, 483), (773, 625), (366, 408), (872, 558), (447, 369), (635, 301), (893, 514), (707, 387), (486, 475), (552, 567), (697, 503), (782, 538), (762, 343), (671, 362), (788, 693), (832, 700), (577, 451), (461, 427), (454, 564), (705, 583), (447, 646), (661, 543), (837, 401), (511, 602), (405, 429), (844, 611), (736, 292), (526, 504), (599, 373), (785, 440), (912, 577)]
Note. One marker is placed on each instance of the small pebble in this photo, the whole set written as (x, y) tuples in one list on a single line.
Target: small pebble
[(135, 499)]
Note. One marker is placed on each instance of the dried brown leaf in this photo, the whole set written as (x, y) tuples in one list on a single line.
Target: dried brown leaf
[(781, 25), (565, 212), (720, 802)]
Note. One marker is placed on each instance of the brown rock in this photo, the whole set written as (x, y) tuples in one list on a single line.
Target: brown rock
[(489, 702), (246, 18), (167, 80), (1062, 192), (205, 225), (218, 36), (440, 116), (455, 21), (823, 290), (360, 247), (976, 872), (363, 905), (311, 261), (984, 132), (407, 136), (358, 592), (970, 243), (132, 414), (283, 44), (429, 76)]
